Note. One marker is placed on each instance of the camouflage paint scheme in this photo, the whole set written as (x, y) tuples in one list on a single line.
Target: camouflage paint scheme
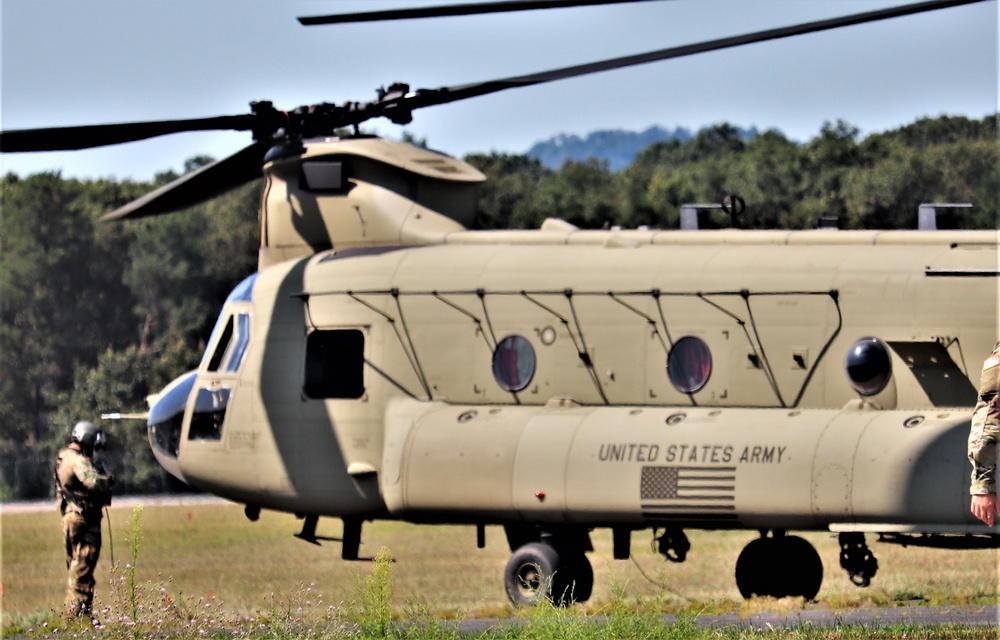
[(986, 428), (82, 493)]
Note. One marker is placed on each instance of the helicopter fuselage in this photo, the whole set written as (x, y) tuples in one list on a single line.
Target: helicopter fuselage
[(366, 388), (385, 362)]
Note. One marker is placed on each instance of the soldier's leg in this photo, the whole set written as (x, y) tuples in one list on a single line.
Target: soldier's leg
[(72, 523), (86, 549), (67, 530), (91, 553)]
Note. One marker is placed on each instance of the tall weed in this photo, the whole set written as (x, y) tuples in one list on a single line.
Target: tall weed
[(374, 597)]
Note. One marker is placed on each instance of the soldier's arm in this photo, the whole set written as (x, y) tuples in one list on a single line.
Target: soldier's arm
[(983, 438), (88, 475)]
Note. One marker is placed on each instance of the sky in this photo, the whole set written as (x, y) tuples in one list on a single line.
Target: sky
[(71, 62)]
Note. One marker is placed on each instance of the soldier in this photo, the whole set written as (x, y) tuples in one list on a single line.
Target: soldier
[(983, 442), (82, 491)]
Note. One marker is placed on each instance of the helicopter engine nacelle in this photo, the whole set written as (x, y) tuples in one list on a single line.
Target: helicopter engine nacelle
[(363, 192)]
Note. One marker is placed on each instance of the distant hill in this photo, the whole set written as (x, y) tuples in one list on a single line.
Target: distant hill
[(616, 146)]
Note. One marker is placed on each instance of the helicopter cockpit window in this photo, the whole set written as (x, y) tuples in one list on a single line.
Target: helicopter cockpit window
[(223, 344), (166, 416), (689, 364), (335, 363), (209, 414), (323, 176), (244, 290), (222, 334), (240, 344), (514, 363), (232, 343)]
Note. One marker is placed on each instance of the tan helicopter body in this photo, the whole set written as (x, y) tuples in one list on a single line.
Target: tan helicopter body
[(388, 362), (419, 371)]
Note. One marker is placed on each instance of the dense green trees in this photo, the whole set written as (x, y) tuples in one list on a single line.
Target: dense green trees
[(95, 316), (877, 182)]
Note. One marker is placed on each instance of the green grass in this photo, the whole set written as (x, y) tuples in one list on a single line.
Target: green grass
[(195, 570)]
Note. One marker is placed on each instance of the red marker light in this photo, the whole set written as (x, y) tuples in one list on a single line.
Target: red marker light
[(540, 495)]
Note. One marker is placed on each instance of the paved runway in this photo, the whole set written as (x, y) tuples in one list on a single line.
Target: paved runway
[(984, 616), (915, 615)]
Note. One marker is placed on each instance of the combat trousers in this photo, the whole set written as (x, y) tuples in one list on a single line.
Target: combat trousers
[(83, 548)]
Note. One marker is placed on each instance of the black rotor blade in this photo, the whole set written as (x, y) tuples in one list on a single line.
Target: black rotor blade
[(198, 186), (398, 103), (471, 9), (399, 107), (99, 135)]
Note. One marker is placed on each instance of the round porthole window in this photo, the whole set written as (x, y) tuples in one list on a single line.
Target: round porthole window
[(514, 363), (689, 364), (868, 366)]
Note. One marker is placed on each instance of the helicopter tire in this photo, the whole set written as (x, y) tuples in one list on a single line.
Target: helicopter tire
[(779, 567), (574, 580), (755, 568), (528, 578), (805, 574)]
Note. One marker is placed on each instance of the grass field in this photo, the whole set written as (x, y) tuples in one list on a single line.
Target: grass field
[(212, 556)]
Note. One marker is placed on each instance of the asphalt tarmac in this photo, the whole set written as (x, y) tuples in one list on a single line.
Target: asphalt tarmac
[(984, 616)]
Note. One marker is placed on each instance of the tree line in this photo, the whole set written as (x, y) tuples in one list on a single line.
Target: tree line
[(96, 316)]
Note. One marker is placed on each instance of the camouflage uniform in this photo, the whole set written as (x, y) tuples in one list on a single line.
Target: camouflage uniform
[(82, 493), (986, 428)]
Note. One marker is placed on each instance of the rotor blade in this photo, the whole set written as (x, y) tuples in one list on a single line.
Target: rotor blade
[(198, 186), (99, 135), (456, 10), (402, 105)]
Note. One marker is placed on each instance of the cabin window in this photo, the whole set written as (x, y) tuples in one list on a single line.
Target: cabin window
[(514, 363), (209, 414), (335, 362), (689, 364)]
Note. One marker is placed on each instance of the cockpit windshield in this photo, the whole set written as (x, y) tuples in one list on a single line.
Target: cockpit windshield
[(231, 334), (243, 291), (166, 416)]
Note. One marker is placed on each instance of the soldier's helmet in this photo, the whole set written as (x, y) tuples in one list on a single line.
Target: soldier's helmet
[(88, 435)]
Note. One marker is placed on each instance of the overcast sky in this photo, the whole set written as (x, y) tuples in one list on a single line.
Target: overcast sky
[(67, 62)]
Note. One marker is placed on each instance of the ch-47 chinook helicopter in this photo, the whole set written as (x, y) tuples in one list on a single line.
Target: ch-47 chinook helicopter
[(386, 362)]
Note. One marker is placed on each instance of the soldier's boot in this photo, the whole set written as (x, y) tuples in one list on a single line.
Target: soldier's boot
[(78, 604)]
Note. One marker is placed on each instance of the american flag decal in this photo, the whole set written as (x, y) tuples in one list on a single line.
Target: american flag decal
[(688, 493)]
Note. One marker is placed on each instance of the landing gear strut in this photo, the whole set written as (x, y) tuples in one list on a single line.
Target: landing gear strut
[(857, 559), (673, 544), (779, 566)]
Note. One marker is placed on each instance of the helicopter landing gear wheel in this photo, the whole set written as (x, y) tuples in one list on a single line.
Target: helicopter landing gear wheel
[(574, 580), (538, 571), (779, 567), (805, 569), (754, 568), (529, 574)]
